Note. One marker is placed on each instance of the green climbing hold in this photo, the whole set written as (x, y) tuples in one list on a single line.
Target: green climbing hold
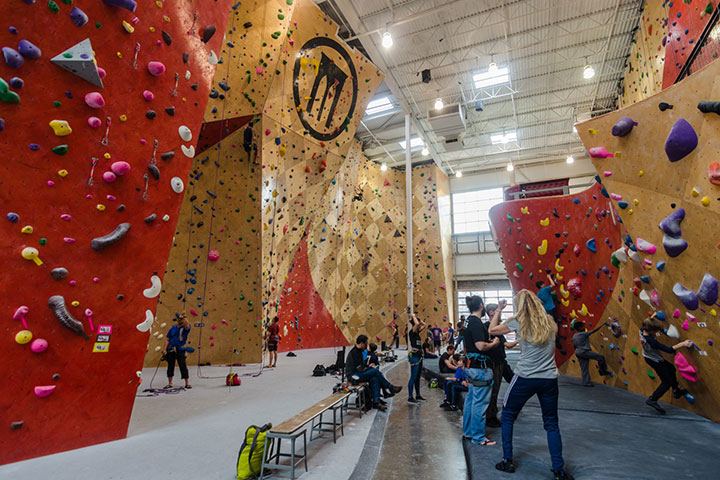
[(67, 2), (6, 95), (60, 149), (650, 373), (43, 241), (519, 267), (289, 2), (98, 24), (57, 104), (53, 7), (510, 217), (634, 350), (709, 8), (281, 17), (275, 35)]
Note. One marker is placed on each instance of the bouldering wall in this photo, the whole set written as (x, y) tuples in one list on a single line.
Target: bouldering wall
[(96, 133), (660, 178), (570, 238), (644, 70)]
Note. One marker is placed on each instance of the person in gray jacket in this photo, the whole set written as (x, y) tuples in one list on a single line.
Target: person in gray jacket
[(584, 353)]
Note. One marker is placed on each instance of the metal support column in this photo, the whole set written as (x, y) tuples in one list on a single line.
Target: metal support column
[(408, 216)]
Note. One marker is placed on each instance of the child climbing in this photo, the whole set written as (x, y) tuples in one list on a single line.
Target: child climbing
[(545, 295), (584, 353), (652, 351)]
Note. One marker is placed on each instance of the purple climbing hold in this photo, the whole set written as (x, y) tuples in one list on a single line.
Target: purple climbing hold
[(2, 124), (687, 297), (12, 217), (78, 17), (12, 57), (674, 246), (126, 4), (13, 30), (708, 291), (29, 50), (34, 147), (17, 83), (670, 225), (681, 140), (623, 127)]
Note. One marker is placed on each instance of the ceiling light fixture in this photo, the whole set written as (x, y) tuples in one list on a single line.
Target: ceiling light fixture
[(458, 174), (439, 104), (492, 67), (574, 129), (425, 150), (510, 167), (383, 167), (570, 160), (588, 71), (387, 40)]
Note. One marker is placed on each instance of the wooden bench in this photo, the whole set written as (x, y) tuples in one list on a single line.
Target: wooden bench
[(292, 429), (359, 391)]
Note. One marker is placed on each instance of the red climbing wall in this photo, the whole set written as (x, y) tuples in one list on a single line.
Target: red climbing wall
[(686, 21), (95, 380), (554, 235)]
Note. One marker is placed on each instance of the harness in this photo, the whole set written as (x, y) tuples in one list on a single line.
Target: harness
[(478, 360)]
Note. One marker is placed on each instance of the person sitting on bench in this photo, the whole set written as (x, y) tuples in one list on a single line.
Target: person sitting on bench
[(455, 384), (584, 353), (447, 362), (357, 371), (428, 350)]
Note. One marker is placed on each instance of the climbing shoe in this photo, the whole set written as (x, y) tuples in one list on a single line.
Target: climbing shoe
[(395, 389), (654, 404), (506, 466), (412, 401), (444, 404), (679, 392), (420, 398), (562, 475)]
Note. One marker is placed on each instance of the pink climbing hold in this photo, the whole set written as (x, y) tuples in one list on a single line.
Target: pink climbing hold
[(655, 298), (193, 312), (148, 96), (607, 173), (101, 72), (267, 131), (686, 368), (94, 100), (616, 197), (259, 70), (39, 345), (66, 217), (676, 313), (94, 122), (685, 325), (120, 168), (645, 246), (386, 183), (156, 68), (44, 391), (599, 152), (213, 255), (109, 177)]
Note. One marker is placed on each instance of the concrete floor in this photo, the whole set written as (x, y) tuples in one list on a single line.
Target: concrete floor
[(196, 434)]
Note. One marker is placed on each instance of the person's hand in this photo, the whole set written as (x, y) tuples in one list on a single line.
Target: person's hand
[(464, 383), (495, 341), (502, 304), (164, 352), (688, 343)]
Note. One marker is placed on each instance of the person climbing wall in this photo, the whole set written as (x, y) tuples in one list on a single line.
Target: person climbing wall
[(584, 353)]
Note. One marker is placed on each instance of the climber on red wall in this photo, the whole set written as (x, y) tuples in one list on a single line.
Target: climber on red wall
[(652, 351), (584, 353), (545, 295)]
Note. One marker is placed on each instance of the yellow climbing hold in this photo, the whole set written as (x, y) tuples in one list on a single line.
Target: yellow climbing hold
[(542, 248), (618, 154), (166, 19), (545, 222), (63, 173), (316, 65), (564, 292), (592, 131), (713, 313), (119, 55), (695, 192), (282, 150), (557, 265), (566, 303), (573, 314), (159, 3), (75, 303), (123, 118), (27, 229), (525, 210), (61, 127), (128, 28), (630, 211), (641, 173), (636, 201), (304, 63), (107, 156), (152, 29), (100, 207), (583, 311), (705, 201)]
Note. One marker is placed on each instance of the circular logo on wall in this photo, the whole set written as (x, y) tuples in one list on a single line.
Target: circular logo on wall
[(325, 87)]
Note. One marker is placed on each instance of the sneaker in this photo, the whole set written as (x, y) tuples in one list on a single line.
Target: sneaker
[(606, 373), (379, 406), (654, 404), (444, 404), (412, 401), (562, 475), (395, 389), (420, 398), (450, 408), (506, 466), (382, 402), (492, 423), (680, 392)]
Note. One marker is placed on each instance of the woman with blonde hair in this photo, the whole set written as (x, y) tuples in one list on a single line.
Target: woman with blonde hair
[(535, 374)]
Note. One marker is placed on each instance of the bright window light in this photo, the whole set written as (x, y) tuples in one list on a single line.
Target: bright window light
[(570, 160), (470, 209), (415, 143), (494, 76), (588, 72), (383, 167), (378, 105), (503, 138)]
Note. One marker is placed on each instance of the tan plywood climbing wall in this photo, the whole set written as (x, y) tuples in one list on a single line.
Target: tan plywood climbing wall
[(445, 220), (647, 187), (644, 71)]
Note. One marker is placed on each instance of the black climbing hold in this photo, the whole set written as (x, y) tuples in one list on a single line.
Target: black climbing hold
[(167, 155), (224, 86), (195, 86), (120, 296), (16, 425), (185, 57), (154, 171), (150, 114), (170, 111), (709, 107), (58, 273), (247, 24), (56, 376), (121, 208), (664, 106), (120, 231), (208, 33), (166, 38), (150, 218)]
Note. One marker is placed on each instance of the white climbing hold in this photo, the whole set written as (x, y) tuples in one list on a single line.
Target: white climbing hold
[(621, 255), (177, 184), (185, 133), (149, 319), (187, 74), (188, 151), (673, 332), (153, 291), (212, 58), (645, 297), (634, 256), (166, 218)]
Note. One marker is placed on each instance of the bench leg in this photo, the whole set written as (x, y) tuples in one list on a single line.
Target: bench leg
[(312, 426), (342, 423), (262, 467), (277, 452), (292, 459), (334, 425), (305, 451)]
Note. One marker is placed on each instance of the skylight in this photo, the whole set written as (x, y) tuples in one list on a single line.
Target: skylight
[(503, 137), (488, 79), (415, 143), (378, 105)]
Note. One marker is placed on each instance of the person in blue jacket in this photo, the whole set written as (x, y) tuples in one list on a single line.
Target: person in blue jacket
[(174, 350)]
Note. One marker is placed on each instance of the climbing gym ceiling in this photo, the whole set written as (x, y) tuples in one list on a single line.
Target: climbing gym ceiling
[(526, 117)]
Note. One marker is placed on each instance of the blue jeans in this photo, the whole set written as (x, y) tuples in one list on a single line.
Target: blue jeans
[(415, 367), (476, 403), (375, 379), (452, 386), (520, 391)]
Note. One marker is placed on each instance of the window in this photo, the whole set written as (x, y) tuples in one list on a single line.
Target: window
[(503, 138), (488, 296), (470, 209), (488, 79), (416, 143), (378, 105)]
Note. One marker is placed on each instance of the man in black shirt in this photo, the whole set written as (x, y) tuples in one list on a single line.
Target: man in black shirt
[(497, 355), (357, 370), (447, 364)]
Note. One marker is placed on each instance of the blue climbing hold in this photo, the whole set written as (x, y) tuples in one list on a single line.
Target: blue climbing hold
[(590, 244), (660, 314), (623, 204), (12, 217), (660, 266), (576, 201), (645, 279)]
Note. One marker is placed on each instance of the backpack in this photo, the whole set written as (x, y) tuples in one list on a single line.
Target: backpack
[(249, 460), (434, 383), (318, 371), (233, 379)]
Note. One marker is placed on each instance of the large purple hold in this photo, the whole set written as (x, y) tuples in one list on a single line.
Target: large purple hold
[(78, 17), (126, 4), (687, 297), (670, 225), (708, 291), (681, 141), (28, 50), (674, 246), (623, 127), (12, 57)]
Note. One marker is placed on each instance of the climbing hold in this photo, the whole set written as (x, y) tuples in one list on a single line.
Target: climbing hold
[(150, 218), (709, 107), (80, 60), (78, 17), (672, 332), (545, 222), (130, 5), (109, 177), (23, 337), (28, 50), (645, 246), (681, 140), (208, 33), (177, 184), (57, 305), (188, 151), (574, 286), (60, 127), (591, 245), (665, 106), (674, 246), (148, 96), (686, 369), (156, 68), (599, 152), (542, 248), (12, 57), (213, 255), (6, 95), (185, 133), (687, 297), (120, 231), (558, 267), (623, 127), (147, 323), (58, 273), (39, 345), (705, 201), (120, 168), (708, 291), (30, 253), (94, 122), (94, 100), (660, 266), (155, 289), (44, 391), (166, 38)]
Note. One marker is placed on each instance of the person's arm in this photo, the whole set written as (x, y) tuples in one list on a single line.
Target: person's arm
[(511, 344), (686, 343), (495, 327), (167, 342), (597, 329), (654, 343), (485, 346), (450, 363), (551, 280)]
